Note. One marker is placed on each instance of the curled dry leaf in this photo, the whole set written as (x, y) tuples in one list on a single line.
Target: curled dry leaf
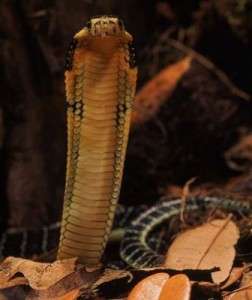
[(149, 288), (113, 275), (79, 282), (239, 157), (177, 287), (245, 290), (156, 91), (112, 283), (38, 275), (208, 246), (235, 274)]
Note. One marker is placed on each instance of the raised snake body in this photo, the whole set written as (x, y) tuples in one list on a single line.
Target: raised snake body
[(100, 86)]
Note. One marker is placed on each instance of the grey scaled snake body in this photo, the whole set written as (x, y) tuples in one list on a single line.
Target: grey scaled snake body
[(137, 248)]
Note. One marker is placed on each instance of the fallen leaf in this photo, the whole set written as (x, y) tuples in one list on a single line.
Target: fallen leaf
[(111, 275), (113, 283), (81, 280), (210, 245), (17, 271), (235, 275), (149, 288), (73, 295), (239, 157), (154, 93), (78, 282), (245, 290), (177, 287)]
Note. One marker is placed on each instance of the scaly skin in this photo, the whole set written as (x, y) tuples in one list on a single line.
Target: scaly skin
[(136, 247), (100, 87), (135, 250)]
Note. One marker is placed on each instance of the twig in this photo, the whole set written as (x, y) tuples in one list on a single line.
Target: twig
[(207, 64), (185, 193), (244, 288)]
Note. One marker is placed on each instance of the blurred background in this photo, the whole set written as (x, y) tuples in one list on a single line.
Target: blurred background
[(193, 111)]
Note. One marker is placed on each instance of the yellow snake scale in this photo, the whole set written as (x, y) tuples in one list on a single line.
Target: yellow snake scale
[(100, 87)]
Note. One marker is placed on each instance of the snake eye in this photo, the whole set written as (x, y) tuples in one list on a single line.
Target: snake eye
[(88, 25), (120, 23)]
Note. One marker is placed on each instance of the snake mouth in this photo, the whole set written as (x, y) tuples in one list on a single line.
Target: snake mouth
[(104, 34), (105, 26)]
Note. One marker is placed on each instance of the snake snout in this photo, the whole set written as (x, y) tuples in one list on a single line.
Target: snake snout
[(105, 26)]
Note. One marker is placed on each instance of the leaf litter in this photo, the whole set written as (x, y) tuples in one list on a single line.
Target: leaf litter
[(208, 246)]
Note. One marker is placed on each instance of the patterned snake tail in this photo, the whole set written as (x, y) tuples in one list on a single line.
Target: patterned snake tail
[(100, 86), (136, 250)]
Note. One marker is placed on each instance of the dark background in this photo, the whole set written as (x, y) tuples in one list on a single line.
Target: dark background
[(202, 119)]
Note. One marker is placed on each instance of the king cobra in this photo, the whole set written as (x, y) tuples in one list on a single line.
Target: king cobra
[(100, 84), (100, 87)]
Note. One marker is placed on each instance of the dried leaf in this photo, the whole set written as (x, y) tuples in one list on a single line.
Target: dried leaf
[(152, 96), (245, 290), (69, 296), (113, 275), (205, 247), (67, 288), (177, 287), (235, 275), (81, 279), (113, 283), (38, 275), (149, 288), (239, 157)]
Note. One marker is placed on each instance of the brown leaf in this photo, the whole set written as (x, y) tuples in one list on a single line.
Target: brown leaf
[(205, 247), (245, 290), (38, 275), (81, 279), (177, 287), (149, 288), (239, 157), (152, 96), (235, 275), (69, 296), (113, 283), (78, 282), (111, 275)]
